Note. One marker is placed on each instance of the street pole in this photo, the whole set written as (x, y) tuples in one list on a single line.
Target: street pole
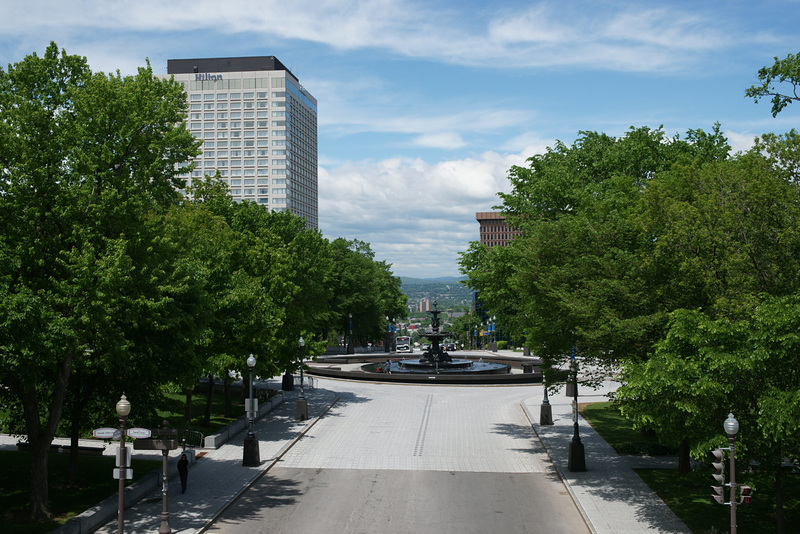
[(731, 426), (164, 528), (546, 411), (301, 409), (577, 458), (251, 454), (123, 409)]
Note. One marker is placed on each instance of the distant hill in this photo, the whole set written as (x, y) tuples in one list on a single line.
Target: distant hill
[(448, 292)]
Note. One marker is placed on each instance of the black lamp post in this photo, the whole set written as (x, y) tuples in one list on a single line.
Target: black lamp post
[(350, 349), (301, 410), (252, 456), (546, 411), (387, 346), (577, 457), (123, 410), (731, 426)]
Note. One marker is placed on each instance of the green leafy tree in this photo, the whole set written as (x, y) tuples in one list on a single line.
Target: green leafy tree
[(89, 164), (782, 71), (705, 368)]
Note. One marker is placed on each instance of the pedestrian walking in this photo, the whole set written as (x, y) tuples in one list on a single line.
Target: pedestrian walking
[(183, 471)]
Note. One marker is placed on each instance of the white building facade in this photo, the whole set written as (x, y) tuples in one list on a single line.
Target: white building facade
[(259, 130)]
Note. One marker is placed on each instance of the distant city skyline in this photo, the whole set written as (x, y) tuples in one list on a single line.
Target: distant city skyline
[(424, 106)]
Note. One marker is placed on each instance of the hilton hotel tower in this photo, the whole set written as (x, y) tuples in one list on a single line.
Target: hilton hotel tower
[(259, 130)]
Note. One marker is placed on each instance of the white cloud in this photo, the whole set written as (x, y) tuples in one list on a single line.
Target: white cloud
[(417, 216), (446, 140), (601, 36)]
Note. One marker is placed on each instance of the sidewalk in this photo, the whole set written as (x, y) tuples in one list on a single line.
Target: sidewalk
[(611, 496), (218, 477)]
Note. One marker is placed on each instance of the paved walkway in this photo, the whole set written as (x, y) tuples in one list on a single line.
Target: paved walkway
[(612, 498)]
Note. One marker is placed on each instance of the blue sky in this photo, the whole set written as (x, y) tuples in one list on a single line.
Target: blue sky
[(424, 106)]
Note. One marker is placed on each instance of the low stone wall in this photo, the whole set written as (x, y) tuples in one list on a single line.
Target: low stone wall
[(214, 441)]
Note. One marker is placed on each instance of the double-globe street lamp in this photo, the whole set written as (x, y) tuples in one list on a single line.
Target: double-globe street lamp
[(251, 456)]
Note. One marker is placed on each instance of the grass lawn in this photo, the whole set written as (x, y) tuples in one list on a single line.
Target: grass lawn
[(95, 484), (174, 406), (689, 496)]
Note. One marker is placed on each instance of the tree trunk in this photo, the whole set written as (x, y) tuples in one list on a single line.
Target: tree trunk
[(209, 400), (75, 430), (41, 436), (779, 516), (228, 397), (684, 464), (187, 414)]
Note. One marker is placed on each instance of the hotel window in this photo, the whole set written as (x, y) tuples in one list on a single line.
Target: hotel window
[(236, 191), (278, 190), (208, 154), (249, 114), (236, 182), (208, 97), (208, 115), (262, 114), (222, 125), (263, 191), (279, 162), (236, 144), (196, 96), (249, 191), (222, 115), (262, 105), (222, 135), (194, 126), (249, 134), (249, 124), (262, 162), (222, 144), (223, 105), (263, 133), (263, 201), (279, 201), (262, 181), (263, 142), (249, 163), (208, 144), (249, 105), (236, 134), (236, 115), (250, 181), (222, 153), (278, 181), (236, 105), (209, 106), (208, 125), (195, 107), (249, 172), (208, 163), (222, 96), (278, 113), (279, 95), (263, 172), (236, 124), (262, 95), (249, 143), (236, 95), (195, 116), (208, 135), (249, 95)]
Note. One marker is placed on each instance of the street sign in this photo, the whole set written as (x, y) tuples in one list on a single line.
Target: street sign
[(139, 432), (117, 434), (127, 458), (128, 474), (103, 433)]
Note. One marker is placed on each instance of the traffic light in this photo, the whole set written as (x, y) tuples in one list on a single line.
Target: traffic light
[(747, 491), (718, 463)]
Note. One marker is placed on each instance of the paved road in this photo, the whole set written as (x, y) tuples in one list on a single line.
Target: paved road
[(411, 459)]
